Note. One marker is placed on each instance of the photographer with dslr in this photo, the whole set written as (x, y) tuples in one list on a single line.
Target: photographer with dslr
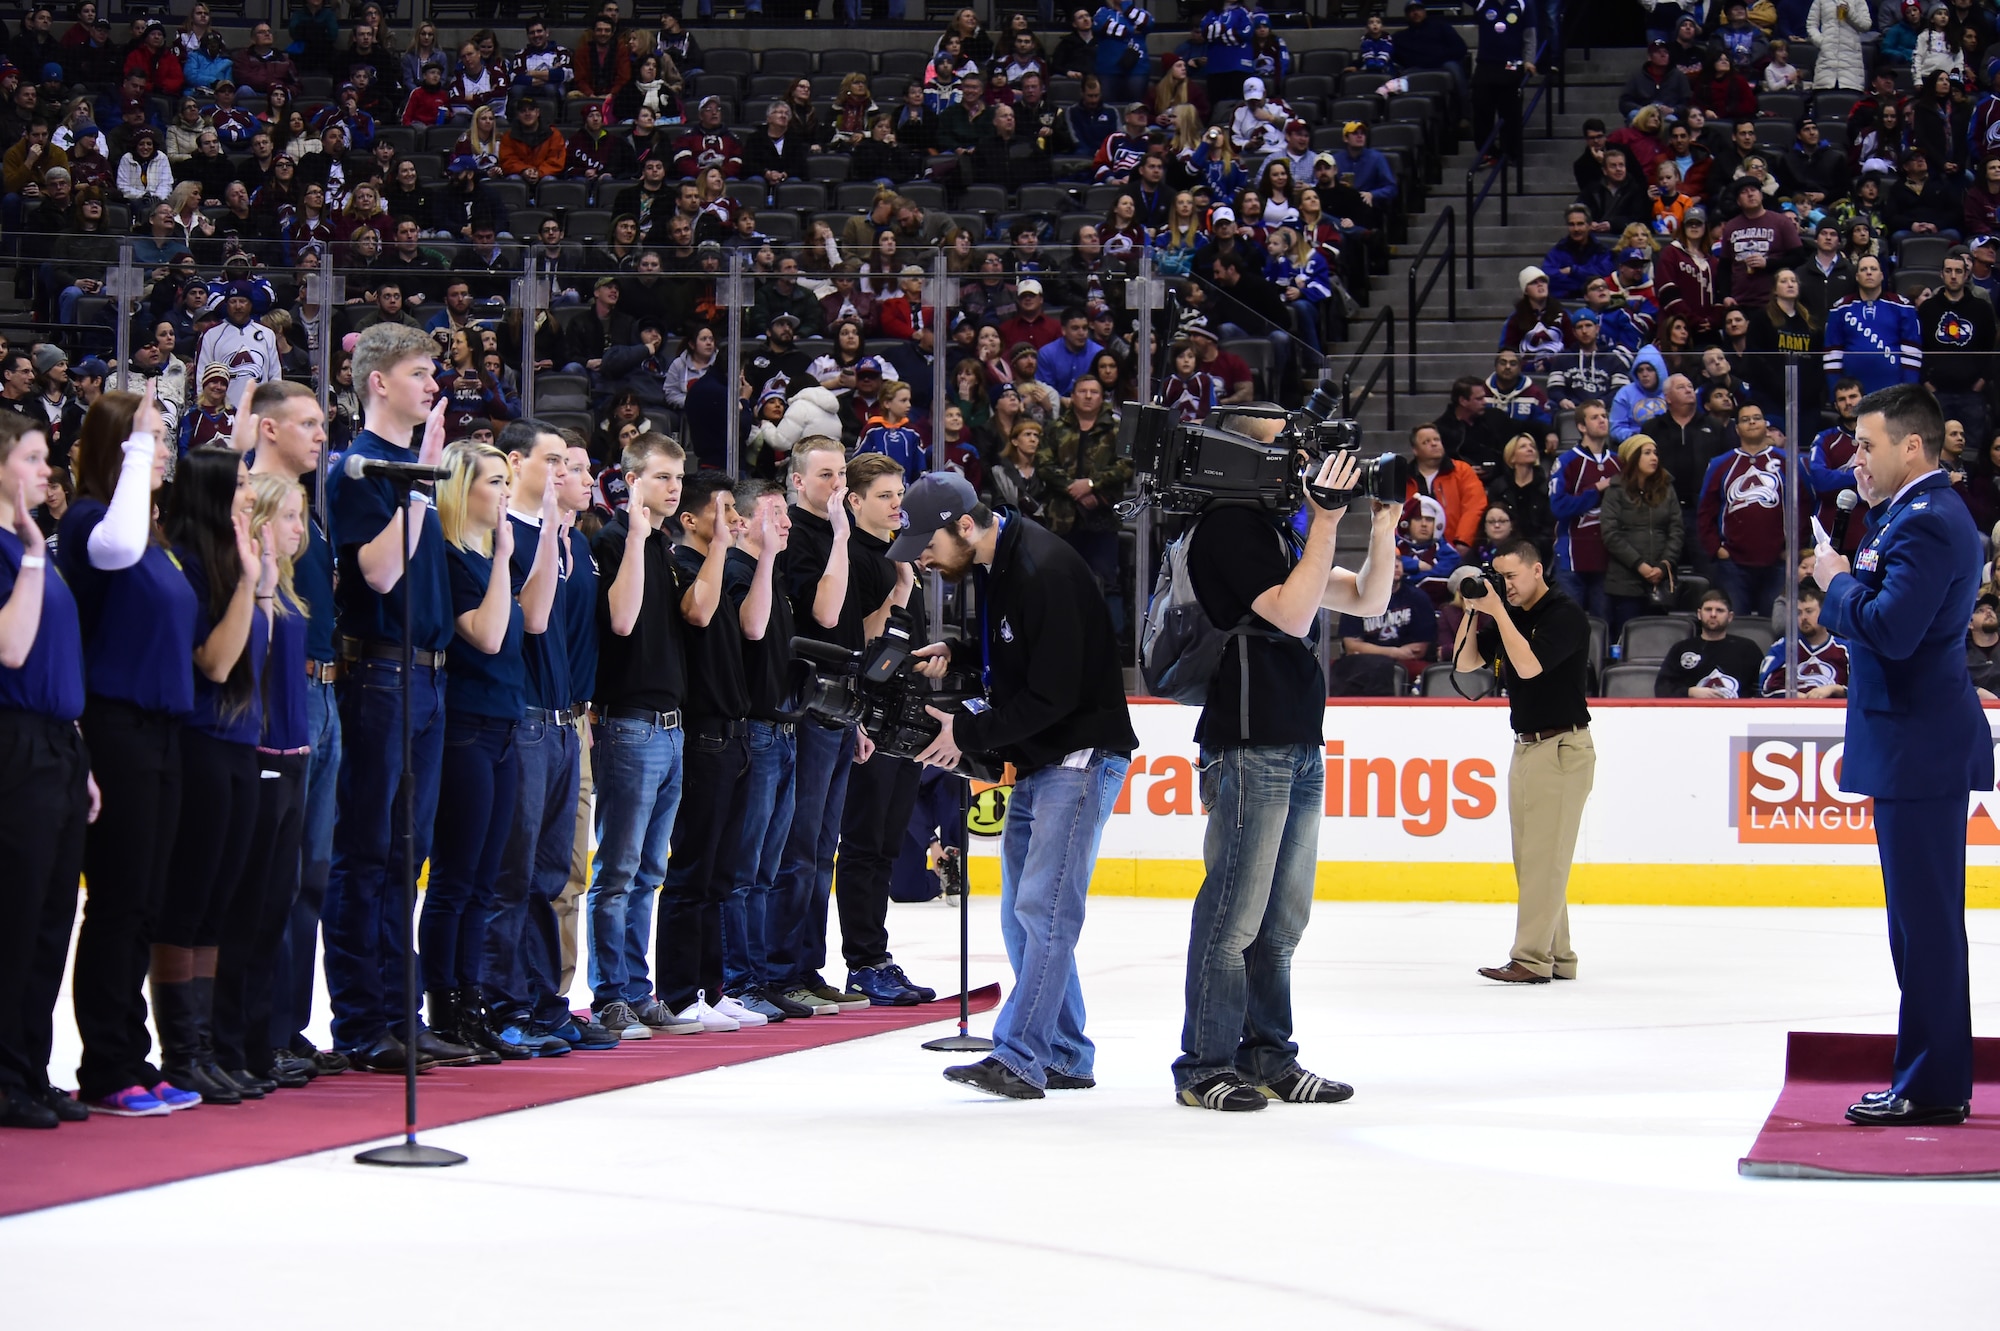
[(1055, 707), (1263, 774), (1536, 639)]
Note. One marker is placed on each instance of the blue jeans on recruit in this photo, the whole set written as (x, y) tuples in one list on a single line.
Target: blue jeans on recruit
[(1261, 849), (1055, 820), (767, 821), (637, 768)]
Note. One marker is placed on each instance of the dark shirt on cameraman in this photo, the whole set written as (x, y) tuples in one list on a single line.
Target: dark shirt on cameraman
[(1237, 556), (766, 660), (646, 668), (802, 566), (717, 687), (1559, 633)]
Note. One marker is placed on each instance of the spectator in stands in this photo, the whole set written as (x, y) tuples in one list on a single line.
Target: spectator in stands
[(602, 65), (1577, 483), (1538, 329), (1406, 631), (1715, 664), (1756, 243), (1521, 488), (1473, 432), (1982, 645), (1873, 336), (1826, 277), (1640, 522), (1822, 657), (1588, 368), (1515, 395), (1722, 91), (1425, 43), (1641, 400), (1249, 306), (1231, 372), (1572, 261), (1031, 322), (1919, 205), (1958, 339), (1618, 200), (1657, 83), (774, 152), (530, 150), (784, 294), (1740, 518), (1453, 485), (1835, 27)]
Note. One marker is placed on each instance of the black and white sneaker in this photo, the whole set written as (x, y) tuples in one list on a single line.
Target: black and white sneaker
[(1225, 1091), (1299, 1087)]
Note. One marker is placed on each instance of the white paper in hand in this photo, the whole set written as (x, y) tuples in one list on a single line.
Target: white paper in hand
[(1822, 543)]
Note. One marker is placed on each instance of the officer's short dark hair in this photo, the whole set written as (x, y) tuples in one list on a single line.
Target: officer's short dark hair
[(1908, 409)]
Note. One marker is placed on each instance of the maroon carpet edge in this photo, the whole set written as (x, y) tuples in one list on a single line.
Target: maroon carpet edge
[(79, 1161), (1808, 1135)]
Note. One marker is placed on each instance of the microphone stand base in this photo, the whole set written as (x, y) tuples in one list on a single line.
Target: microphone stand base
[(410, 1155), (959, 1044)]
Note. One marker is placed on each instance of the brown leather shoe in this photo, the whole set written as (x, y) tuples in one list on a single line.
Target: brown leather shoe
[(1513, 973)]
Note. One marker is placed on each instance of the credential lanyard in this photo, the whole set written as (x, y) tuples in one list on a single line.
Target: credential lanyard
[(986, 643)]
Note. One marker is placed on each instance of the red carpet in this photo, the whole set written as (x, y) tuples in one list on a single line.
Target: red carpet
[(79, 1161), (1807, 1135)]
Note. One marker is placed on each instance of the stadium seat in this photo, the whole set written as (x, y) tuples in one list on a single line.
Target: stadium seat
[(1785, 106), (726, 86), (846, 60), (1647, 638), (509, 194), (752, 192), (1600, 649), (880, 346), (825, 87), (1923, 251), (1835, 104), (905, 64), (1257, 354), (729, 60), (570, 194), (1911, 283), (1360, 85), (984, 199), (1329, 63), (827, 168), (589, 225), (583, 422), (855, 195), (1437, 683), (787, 60), (925, 194), (781, 227), (1630, 681), (1344, 109), (561, 386), (1046, 199), (1097, 200), (802, 196), (1433, 82), (1758, 631), (770, 86), (887, 89)]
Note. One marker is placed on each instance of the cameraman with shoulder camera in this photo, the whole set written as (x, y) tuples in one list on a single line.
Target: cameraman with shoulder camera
[(1055, 707), (1263, 773), (1537, 639)]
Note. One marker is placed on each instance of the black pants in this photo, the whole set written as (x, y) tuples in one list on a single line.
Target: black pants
[(255, 927), (136, 755), (44, 805), (1496, 92), (881, 794), (213, 843), (688, 938)]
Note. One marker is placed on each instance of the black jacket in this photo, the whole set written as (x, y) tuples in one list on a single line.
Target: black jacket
[(1057, 682), (761, 155), (1686, 450)]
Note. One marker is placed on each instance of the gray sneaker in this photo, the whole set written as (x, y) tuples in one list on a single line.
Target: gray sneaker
[(805, 997), (660, 1018), (619, 1018), (768, 1011)]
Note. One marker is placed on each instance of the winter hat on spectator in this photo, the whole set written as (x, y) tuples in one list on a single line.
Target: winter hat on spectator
[(1531, 275), (48, 356), (1988, 598), (1585, 315), (1423, 506), (1195, 324), (462, 424), (215, 369)]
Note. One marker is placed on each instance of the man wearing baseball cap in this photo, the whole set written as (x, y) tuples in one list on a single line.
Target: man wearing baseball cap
[(1373, 176), (1755, 244), (1055, 708)]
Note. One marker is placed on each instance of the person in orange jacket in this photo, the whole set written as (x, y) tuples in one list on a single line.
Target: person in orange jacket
[(530, 150), (1452, 483)]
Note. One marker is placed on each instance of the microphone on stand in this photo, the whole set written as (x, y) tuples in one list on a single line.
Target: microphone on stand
[(356, 467), (1846, 501)]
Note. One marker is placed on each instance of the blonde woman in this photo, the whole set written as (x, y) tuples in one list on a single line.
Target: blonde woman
[(1185, 122), (481, 141)]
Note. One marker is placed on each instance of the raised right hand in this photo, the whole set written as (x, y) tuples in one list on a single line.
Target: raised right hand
[(836, 512), (148, 420), (503, 541), (432, 452)]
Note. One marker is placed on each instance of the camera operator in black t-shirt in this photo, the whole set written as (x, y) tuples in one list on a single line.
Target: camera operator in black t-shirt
[(1055, 708), (1537, 639), (1263, 773)]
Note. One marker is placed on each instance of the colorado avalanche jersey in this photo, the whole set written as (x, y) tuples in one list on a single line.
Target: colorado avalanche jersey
[(250, 352), (1875, 341), (1818, 667), (1574, 498)]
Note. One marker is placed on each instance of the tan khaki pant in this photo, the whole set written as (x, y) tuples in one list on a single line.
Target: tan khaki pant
[(1547, 784), (579, 863)]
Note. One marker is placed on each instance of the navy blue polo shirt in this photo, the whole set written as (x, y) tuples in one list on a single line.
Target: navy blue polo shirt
[(576, 605), (360, 510), (548, 677), (210, 715), (312, 576), (483, 685), (285, 725), (138, 623), (50, 681)]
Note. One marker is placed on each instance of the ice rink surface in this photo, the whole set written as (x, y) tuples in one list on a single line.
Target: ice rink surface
[(1514, 1158)]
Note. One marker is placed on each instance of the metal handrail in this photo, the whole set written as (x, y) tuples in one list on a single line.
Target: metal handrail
[(1448, 223), (1385, 363)]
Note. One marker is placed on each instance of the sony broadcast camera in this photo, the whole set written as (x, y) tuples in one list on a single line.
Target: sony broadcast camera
[(1248, 456), (879, 689)]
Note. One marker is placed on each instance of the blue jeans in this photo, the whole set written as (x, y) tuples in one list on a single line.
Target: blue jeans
[(637, 768), (1587, 590), (484, 772), (298, 958), (795, 911), (367, 922), (523, 956), (1054, 823), (1261, 849), (767, 821), (1751, 588)]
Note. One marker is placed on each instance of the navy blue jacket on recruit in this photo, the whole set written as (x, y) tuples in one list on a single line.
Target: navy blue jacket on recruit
[(1914, 725), (361, 509)]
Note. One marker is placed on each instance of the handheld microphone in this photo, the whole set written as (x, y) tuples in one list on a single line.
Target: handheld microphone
[(356, 467), (1846, 501)]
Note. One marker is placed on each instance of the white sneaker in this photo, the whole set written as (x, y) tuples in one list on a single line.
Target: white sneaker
[(710, 1019), (735, 1009)]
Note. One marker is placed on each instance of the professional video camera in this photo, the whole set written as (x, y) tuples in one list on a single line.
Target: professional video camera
[(879, 689), (1261, 456)]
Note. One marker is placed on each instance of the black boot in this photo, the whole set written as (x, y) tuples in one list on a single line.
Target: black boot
[(471, 1029), (201, 1002), (180, 1045)]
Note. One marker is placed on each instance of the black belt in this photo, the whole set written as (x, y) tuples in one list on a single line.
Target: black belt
[(718, 727), (355, 649), (664, 720), (560, 717), (322, 672), (1537, 736), (781, 727)]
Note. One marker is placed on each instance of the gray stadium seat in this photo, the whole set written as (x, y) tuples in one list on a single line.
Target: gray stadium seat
[(1647, 638), (1437, 683), (1630, 681)]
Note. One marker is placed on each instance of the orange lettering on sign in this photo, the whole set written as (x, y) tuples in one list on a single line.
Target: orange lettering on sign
[(1172, 790)]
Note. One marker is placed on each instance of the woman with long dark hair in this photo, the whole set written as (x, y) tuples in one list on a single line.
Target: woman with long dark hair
[(208, 524), (138, 616)]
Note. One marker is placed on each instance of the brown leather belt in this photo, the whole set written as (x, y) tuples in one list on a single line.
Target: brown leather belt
[(1537, 736)]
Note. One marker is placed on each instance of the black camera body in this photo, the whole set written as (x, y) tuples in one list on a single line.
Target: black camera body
[(878, 688), (1228, 460)]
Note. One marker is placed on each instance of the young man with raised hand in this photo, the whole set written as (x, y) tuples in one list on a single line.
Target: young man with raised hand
[(367, 918)]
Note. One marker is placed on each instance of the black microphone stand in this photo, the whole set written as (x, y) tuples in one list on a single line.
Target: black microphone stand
[(951, 865), (409, 1153)]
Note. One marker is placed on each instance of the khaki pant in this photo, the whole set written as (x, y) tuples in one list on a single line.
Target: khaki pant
[(1547, 784), (579, 862)]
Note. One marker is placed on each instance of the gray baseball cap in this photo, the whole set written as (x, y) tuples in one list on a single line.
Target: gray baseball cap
[(935, 502)]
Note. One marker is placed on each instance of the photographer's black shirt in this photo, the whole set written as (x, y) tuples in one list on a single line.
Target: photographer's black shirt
[(1237, 555), (1559, 632), (717, 685), (766, 660), (647, 668), (801, 567)]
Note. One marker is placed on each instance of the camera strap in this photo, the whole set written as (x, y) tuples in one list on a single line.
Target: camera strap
[(985, 600)]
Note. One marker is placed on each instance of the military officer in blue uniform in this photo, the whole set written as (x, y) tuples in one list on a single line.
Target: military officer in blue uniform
[(1503, 60), (1917, 740)]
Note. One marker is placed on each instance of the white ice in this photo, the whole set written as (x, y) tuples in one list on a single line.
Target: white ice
[(1546, 1157)]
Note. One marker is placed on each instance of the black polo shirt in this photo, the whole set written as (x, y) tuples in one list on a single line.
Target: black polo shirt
[(1559, 631), (767, 661), (646, 668), (717, 686), (799, 570), (871, 576)]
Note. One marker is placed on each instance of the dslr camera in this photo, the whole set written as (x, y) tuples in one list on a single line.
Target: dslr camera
[(878, 688), (1253, 456)]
